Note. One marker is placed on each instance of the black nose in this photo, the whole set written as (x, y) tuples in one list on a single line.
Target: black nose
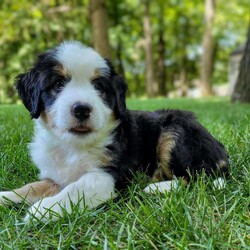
[(81, 111)]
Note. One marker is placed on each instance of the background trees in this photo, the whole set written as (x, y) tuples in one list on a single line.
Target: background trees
[(99, 21), (242, 88), (175, 38), (208, 48), (151, 85)]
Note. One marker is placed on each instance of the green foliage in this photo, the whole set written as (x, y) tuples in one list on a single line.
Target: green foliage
[(196, 217), (29, 27)]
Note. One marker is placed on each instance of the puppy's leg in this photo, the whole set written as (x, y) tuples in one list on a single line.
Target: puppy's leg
[(91, 190), (31, 192), (164, 186)]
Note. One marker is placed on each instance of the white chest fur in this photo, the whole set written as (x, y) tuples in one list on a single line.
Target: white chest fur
[(65, 162)]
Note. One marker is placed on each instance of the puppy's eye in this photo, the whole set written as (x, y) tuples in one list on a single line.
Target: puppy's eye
[(97, 85), (58, 85), (103, 94), (100, 90), (100, 85)]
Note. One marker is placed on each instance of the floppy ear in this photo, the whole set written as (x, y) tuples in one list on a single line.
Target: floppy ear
[(120, 87), (28, 86)]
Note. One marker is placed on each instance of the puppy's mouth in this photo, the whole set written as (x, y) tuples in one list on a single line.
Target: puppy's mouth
[(80, 130)]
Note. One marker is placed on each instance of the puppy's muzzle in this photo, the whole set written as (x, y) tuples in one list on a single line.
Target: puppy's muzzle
[(81, 111)]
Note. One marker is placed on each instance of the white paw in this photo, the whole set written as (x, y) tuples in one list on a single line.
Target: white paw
[(164, 186), (219, 183), (44, 210)]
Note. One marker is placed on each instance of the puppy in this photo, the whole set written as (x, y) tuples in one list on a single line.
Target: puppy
[(88, 146)]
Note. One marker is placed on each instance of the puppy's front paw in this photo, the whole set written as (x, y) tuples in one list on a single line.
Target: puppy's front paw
[(44, 210)]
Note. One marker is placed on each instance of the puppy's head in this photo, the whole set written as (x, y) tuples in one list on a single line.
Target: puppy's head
[(74, 91)]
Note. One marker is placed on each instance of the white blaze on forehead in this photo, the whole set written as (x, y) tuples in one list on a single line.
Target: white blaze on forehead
[(79, 60)]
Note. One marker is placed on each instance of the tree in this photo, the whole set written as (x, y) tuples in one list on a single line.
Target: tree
[(161, 47), (99, 20), (44, 25), (151, 85), (208, 46), (115, 12), (175, 25), (241, 91)]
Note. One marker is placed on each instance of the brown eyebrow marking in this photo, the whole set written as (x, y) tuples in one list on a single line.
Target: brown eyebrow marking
[(97, 73), (61, 70)]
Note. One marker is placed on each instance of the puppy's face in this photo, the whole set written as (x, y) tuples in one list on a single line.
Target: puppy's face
[(74, 91)]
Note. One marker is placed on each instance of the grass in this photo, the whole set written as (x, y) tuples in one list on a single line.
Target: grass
[(196, 217)]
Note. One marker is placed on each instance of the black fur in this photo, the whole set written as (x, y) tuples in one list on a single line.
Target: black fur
[(137, 138), (35, 87)]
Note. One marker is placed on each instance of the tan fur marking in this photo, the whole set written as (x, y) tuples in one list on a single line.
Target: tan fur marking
[(221, 164), (44, 117), (34, 191), (158, 174), (97, 73), (61, 70), (47, 118), (105, 160), (165, 146)]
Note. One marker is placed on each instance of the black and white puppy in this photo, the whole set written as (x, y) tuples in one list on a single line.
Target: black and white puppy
[(88, 146)]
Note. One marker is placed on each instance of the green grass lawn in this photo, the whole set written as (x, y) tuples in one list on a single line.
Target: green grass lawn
[(196, 217)]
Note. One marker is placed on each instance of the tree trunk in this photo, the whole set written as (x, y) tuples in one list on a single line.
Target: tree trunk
[(183, 59), (119, 44), (161, 76), (151, 85), (207, 44), (241, 91), (183, 78), (99, 20)]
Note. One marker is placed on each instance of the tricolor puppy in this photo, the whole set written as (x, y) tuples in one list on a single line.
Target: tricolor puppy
[(88, 146)]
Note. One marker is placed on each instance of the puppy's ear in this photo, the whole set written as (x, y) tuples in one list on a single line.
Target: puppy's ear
[(120, 87), (28, 86)]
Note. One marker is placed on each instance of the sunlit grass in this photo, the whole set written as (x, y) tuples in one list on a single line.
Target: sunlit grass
[(196, 217)]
